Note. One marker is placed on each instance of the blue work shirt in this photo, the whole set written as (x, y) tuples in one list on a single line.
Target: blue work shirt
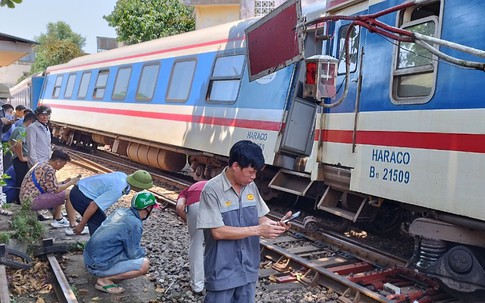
[(230, 263), (117, 239), (104, 189), (6, 135)]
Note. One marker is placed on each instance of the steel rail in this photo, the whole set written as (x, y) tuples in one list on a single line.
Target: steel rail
[(329, 279), (4, 294), (362, 251), (62, 287)]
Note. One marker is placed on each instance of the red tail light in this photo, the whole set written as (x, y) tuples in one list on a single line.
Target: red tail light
[(311, 73)]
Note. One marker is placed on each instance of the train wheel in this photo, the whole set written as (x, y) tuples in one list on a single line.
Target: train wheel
[(311, 223)]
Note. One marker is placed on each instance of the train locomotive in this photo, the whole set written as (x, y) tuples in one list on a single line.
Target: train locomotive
[(375, 115)]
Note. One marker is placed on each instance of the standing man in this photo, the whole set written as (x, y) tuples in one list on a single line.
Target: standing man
[(20, 156), (18, 117), (187, 208), (114, 252), (39, 136), (20, 112), (6, 123), (8, 113), (232, 215), (93, 195)]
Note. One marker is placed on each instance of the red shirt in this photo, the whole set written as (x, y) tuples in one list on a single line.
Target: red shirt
[(192, 193)]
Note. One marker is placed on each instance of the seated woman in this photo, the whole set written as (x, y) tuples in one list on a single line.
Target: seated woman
[(41, 188)]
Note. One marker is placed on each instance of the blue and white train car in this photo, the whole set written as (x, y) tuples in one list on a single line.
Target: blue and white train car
[(404, 129), (158, 101), (27, 92), (401, 139)]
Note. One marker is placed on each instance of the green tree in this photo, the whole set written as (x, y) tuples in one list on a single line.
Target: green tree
[(136, 21), (61, 31), (59, 45), (10, 3)]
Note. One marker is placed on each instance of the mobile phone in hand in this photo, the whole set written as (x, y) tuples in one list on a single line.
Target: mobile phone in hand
[(293, 217)]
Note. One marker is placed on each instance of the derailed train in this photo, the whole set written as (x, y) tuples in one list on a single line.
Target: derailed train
[(377, 115)]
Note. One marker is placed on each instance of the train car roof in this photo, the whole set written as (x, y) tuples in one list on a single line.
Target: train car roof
[(218, 38)]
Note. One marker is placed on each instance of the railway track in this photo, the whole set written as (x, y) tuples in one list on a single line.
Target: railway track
[(304, 259), (19, 260), (295, 257), (358, 273)]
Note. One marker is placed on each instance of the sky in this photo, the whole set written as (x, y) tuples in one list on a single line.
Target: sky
[(85, 17)]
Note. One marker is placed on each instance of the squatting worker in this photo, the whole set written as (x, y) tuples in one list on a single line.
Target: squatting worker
[(41, 188), (39, 136), (232, 215), (187, 208), (114, 252), (93, 195)]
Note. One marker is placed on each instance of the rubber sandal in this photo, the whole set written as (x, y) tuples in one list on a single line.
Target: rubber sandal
[(111, 288)]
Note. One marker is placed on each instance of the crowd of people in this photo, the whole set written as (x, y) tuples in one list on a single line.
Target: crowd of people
[(226, 216)]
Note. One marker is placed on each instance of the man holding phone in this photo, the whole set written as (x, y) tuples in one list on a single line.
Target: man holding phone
[(233, 217)]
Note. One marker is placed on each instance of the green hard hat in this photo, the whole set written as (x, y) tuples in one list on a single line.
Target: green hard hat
[(143, 200), (140, 179)]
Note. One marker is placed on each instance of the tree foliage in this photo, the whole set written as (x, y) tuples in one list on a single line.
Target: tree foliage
[(63, 32), (136, 21), (59, 45), (10, 3)]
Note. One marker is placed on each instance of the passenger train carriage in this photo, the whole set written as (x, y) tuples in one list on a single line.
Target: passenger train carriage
[(373, 124), (180, 95), (27, 92)]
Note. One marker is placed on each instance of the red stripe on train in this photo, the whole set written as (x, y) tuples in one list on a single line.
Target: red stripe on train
[(231, 122), (474, 143)]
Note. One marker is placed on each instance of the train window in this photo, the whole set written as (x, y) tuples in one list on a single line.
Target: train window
[(70, 86), (121, 83), (57, 87), (181, 81), (414, 71), (226, 79), (148, 81), (353, 47), (83, 87), (101, 82)]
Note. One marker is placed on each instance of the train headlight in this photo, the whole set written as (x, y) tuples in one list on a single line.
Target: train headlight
[(320, 77)]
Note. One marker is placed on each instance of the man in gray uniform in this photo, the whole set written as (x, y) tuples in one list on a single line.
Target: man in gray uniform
[(232, 215)]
